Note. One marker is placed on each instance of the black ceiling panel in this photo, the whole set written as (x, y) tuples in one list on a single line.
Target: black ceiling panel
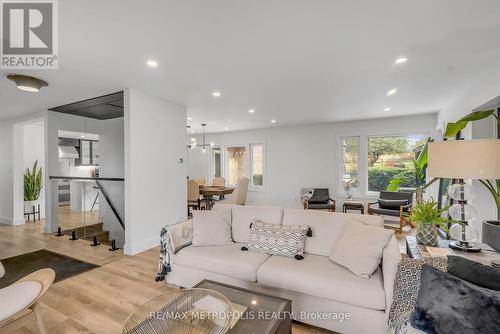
[(102, 107)]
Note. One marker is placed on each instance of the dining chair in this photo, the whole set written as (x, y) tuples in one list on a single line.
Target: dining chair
[(193, 193), (19, 302), (239, 195), (200, 180), (218, 181)]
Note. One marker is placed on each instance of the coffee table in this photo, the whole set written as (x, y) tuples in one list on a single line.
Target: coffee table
[(352, 205), (265, 314)]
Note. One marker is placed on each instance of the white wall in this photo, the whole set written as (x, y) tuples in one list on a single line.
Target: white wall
[(12, 168), (6, 185), (155, 180), (306, 156), (33, 148)]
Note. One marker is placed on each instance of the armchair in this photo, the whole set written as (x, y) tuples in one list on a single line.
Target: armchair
[(320, 200), (395, 204)]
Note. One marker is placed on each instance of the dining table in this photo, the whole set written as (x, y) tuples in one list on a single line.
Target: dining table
[(208, 192)]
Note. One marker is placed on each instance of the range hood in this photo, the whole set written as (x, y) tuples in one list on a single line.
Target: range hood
[(68, 152)]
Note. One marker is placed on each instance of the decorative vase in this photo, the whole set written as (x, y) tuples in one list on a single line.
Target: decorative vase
[(28, 206), (427, 235), (491, 234)]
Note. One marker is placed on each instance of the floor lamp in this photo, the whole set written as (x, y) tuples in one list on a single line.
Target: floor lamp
[(464, 159)]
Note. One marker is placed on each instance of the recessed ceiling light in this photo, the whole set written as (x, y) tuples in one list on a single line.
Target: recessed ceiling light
[(192, 131), (27, 83), (152, 63), (82, 136), (226, 128), (387, 108), (392, 92), (216, 94), (401, 60), (190, 118), (251, 111), (273, 121)]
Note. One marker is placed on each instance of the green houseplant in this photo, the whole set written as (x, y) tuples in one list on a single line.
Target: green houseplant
[(33, 184), (428, 217)]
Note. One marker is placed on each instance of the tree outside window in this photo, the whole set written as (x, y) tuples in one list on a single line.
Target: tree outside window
[(390, 157)]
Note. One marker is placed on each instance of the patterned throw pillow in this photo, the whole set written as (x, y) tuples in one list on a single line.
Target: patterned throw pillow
[(406, 286), (275, 239)]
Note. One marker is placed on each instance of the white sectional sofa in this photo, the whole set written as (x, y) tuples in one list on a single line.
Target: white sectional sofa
[(316, 285)]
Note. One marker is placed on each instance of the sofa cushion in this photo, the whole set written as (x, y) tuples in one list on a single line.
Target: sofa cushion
[(210, 228), (326, 227), (360, 247), (392, 204), (226, 260), (318, 276), (276, 239), (244, 215)]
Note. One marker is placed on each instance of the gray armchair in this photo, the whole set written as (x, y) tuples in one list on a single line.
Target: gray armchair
[(320, 200), (396, 204)]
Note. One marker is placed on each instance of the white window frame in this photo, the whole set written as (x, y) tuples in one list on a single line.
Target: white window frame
[(253, 187), (248, 148), (367, 138), (211, 173), (340, 187)]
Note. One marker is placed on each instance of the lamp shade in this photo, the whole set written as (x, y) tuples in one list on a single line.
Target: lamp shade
[(465, 159)]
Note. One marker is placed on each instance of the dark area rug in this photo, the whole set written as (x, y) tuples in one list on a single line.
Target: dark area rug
[(17, 267)]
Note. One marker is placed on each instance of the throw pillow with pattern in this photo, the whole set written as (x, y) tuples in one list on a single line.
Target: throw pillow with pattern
[(275, 239), (406, 286)]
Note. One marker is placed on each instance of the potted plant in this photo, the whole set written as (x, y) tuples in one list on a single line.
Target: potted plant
[(428, 216), (33, 184)]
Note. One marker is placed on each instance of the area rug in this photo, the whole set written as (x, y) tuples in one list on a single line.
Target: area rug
[(17, 267)]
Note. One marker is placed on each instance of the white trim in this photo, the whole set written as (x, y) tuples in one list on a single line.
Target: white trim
[(142, 246), (5, 220)]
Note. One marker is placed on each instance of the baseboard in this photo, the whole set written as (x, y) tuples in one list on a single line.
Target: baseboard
[(19, 221), (5, 220), (142, 246)]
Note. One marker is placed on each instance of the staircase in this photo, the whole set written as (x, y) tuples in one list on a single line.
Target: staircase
[(88, 233)]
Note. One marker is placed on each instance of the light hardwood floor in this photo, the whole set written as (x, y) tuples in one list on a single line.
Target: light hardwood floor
[(100, 300)]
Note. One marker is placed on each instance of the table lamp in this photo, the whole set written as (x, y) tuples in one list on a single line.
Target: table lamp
[(464, 159)]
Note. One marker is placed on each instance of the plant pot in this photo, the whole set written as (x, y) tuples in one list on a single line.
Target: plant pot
[(28, 206), (491, 234), (427, 235)]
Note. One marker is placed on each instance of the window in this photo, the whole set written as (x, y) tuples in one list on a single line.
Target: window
[(236, 164), (350, 153), (216, 162), (257, 163), (392, 156), (245, 160)]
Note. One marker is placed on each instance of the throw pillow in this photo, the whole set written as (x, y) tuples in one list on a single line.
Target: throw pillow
[(211, 228), (448, 304), (406, 285), (474, 272), (392, 204), (360, 247), (275, 239)]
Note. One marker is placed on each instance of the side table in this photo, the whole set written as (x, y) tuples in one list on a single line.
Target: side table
[(417, 251), (352, 205)]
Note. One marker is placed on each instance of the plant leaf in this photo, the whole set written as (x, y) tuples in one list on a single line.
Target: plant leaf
[(476, 115), (394, 184), (453, 128)]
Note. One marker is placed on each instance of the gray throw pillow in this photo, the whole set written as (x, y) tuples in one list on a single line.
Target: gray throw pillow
[(276, 239), (474, 272), (447, 304)]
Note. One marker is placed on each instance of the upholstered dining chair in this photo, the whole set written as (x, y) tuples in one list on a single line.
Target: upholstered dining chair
[(19, 302), (218, 181), (193, 193), (239, 195), (200, 180)]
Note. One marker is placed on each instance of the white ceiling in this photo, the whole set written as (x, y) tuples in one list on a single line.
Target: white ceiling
[(294, 61)]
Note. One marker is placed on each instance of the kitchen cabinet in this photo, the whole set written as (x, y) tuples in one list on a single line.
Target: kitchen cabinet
[(89, 153)]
